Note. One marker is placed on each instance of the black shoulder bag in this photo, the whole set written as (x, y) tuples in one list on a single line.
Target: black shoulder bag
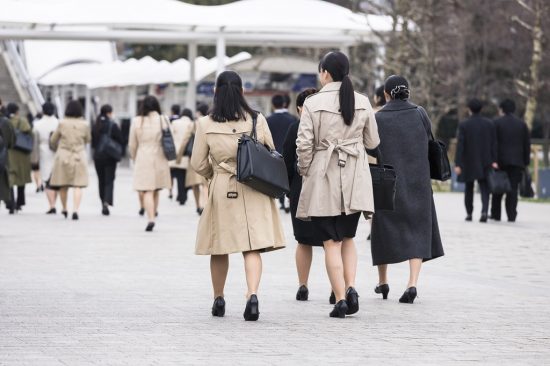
[(107, 147), (189, 147), (260, 168), (440, 168), (23, 141), (167, 141), (383, 184)]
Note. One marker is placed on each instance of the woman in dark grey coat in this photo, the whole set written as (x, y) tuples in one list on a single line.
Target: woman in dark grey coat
[(411, 231)]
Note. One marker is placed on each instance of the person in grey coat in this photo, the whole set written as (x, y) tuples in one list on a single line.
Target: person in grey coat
[(410, 232)]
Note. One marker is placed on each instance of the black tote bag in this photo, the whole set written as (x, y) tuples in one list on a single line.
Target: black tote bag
[(23, 142), (383, 185), (440, 167), (107, 147), (498, 181), (260, 168), (525, 186), (189, 147), (167, 141)]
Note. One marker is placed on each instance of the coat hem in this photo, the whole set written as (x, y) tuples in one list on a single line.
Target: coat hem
[(261, 250)]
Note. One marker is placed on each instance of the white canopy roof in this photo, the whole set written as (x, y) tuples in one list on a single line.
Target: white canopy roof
[(134, 72)]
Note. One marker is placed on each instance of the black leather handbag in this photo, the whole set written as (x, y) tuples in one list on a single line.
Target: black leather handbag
[(260, 168), (383, 184), (167, 141), (23, 141), (107, 147), (440, 167), (525, 186), (498, 182), (189, 147)]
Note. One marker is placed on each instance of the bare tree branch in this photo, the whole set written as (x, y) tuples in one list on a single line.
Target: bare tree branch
[(522, 23)]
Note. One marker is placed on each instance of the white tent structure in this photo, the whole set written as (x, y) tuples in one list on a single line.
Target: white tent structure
[(298, 23)]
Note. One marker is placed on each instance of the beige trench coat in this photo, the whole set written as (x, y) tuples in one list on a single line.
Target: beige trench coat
[(151, 170), (191, 177), (332, 157), (179, 129), (229, 225), (70, 166)]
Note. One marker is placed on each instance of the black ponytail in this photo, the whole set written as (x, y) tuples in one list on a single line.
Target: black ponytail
[(337, 65)]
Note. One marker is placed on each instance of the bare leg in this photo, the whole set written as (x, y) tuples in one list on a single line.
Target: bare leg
[(219, 265), (52, 196), (414, 264), (156, 199), (335, 267), (77, 197), (37, 178), (149, 205), (349, 259), (140, 196), (63, 196), (304, 256), (382, 274), (253, 269)]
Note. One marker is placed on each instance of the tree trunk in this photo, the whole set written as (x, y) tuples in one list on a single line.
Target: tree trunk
[(534, 82)]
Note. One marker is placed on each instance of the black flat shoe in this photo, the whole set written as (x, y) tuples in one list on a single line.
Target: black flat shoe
[(483, 218), (218, 309), (332, 298), (150, 226), (75, 216), (105, 211), (468, 218), (141, 212), (340, 310), (302, 294), (65, 213), (352, 299), (252, 310), (383, 289), (52, 211), (408, 296)]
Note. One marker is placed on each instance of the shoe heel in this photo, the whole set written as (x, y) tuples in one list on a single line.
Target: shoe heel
[(385, 295)]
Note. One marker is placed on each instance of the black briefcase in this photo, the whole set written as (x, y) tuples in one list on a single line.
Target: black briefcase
[(260, 168), (498, 182), (383, 185)]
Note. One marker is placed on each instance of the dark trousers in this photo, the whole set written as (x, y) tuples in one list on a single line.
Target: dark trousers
[(17, 201), (469, 196), (511, 202), (179, 176), (106, 172)]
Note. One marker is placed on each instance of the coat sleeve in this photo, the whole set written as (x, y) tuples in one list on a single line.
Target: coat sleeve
[(25, 126), (199, 158), (526, 146), (289, 151), (54, 139), (305, 141), (265, 132), (371, 140), (133, 143), (460, 146)]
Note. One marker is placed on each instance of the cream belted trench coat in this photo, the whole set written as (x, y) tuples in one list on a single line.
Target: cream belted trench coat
[(332, 157), (236, 218)]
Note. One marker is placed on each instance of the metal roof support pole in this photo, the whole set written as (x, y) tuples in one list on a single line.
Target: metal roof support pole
[(191, 97), (220, 53)]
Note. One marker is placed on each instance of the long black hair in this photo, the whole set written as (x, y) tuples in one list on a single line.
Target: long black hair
[(149, 104), (397, 87), (337, 65), (229, 102), (103, 112)]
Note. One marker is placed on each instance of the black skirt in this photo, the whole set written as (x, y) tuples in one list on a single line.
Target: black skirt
[(336, 227), (304, 231)]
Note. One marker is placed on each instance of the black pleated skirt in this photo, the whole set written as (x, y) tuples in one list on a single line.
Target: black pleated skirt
[(336, 227)]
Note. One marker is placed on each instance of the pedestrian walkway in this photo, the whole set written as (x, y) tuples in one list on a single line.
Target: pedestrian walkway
[(101, 291)]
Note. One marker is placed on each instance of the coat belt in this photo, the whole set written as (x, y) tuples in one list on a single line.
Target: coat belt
[(224, 168), (344, 148)]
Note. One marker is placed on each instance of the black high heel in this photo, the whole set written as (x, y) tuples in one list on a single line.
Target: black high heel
[(218, 309), (75, 216), (150, 226), (408, 296), (65, 213), (52, 211), (340, 310), (352, 300), (141, 211), (383, 289), (105, 210), (302, 294), (332, 298), (252, 309)]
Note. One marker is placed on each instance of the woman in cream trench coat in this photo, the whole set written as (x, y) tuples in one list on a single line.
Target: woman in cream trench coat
[(336, 127), (151, 170), (70, 167), (236, 218)]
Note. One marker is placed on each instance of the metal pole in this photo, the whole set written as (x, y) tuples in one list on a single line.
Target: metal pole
[(220, 54), (191, 97)]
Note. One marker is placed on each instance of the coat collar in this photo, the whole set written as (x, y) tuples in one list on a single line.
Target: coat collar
[(397, 105), (334, 86)]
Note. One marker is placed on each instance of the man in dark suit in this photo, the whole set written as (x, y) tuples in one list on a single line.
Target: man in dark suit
[(476, 152), (514, 150), (278, 123)]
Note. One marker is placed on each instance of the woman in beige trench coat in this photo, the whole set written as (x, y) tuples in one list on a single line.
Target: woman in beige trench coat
[(336, 127), (151, 169), (70, 167), (236, 218)]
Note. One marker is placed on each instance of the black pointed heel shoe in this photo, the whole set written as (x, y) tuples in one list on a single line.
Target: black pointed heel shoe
[(141, 212), (352, 300), (65, 213), (75, 216), (340, 310), (150, 226), (408, 296), (332, 298), (252, 310), (383, 289), (302, 294), (52, 211), (218, 309)]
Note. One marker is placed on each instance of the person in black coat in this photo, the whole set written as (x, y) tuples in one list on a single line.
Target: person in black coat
[(105, 166), (278, 123), (411, 231), (303, 230), (476, 152), (514, 154)]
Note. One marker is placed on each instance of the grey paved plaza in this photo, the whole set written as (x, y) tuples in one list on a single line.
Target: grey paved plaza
[(101, 291)]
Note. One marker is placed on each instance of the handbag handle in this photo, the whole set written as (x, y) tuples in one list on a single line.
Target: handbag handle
[(377, 153), (253, 134), (426, 123)]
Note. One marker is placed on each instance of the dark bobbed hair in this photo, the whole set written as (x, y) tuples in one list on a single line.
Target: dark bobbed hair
[(508, 106), (203, 109), (176, 109), (337, 65), (301, 98), (278, 101), (229, 102), (149, 104), (287, 99), (475, 105), (379, 92), (48, 109), (74, 109), (187, 113), (12, 108), (397, 87)]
